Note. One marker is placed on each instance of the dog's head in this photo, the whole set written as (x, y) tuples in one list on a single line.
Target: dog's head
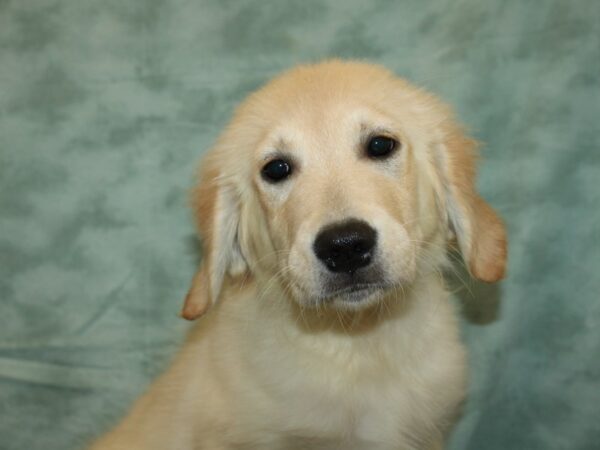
[(341, 182)]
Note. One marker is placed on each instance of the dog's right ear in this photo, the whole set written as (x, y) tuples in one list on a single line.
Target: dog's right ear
[(217, 210)]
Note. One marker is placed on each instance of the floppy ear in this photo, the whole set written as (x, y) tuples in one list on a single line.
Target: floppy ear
[(216, 207), (479, 231)]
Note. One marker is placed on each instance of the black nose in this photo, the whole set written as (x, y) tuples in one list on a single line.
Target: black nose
[(346, 246)]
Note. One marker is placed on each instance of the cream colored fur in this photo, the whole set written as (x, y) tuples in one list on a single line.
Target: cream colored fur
[(274, 363)]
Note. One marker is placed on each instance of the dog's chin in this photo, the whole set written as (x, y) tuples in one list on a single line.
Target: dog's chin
[(355, 298), (351, 298)]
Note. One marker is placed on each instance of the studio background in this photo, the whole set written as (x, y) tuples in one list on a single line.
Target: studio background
[(107, 106)]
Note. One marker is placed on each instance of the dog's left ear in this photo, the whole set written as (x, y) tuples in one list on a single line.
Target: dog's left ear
[(479, 230), (216, 206)]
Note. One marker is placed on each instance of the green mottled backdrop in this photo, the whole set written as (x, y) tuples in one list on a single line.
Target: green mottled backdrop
[(106, 106)]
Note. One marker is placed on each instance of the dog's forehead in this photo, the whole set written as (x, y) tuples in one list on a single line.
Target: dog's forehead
[(306, 119), (323, 87), (310, 103), (329, 106), (325, 122)]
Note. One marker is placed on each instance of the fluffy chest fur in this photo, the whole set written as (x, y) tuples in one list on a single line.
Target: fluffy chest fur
[(392, 384)]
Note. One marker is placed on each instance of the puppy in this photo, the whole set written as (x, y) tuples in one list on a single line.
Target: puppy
[(326, 208)]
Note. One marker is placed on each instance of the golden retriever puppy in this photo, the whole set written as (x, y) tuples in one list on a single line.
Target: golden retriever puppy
[(326, 208)]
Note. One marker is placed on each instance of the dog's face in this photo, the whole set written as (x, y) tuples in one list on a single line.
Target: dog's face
[(341, 182), (337, 184)]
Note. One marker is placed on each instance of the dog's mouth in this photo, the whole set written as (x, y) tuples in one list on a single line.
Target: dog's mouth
[(354, 295), (353, 287), (350, 291), (354, 292)]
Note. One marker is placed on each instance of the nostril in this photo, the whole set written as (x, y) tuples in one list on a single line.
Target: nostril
[(346, 246), (359, 248)]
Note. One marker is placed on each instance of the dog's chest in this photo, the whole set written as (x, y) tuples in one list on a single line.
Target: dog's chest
[(381, 408), (364, 416), (392, 389)]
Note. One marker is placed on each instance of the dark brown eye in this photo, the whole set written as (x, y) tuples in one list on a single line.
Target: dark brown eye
[(380, 147), (276, 170)]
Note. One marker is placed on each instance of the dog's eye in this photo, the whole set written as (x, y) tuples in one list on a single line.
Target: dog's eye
[(380, 146), (276, 170)]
